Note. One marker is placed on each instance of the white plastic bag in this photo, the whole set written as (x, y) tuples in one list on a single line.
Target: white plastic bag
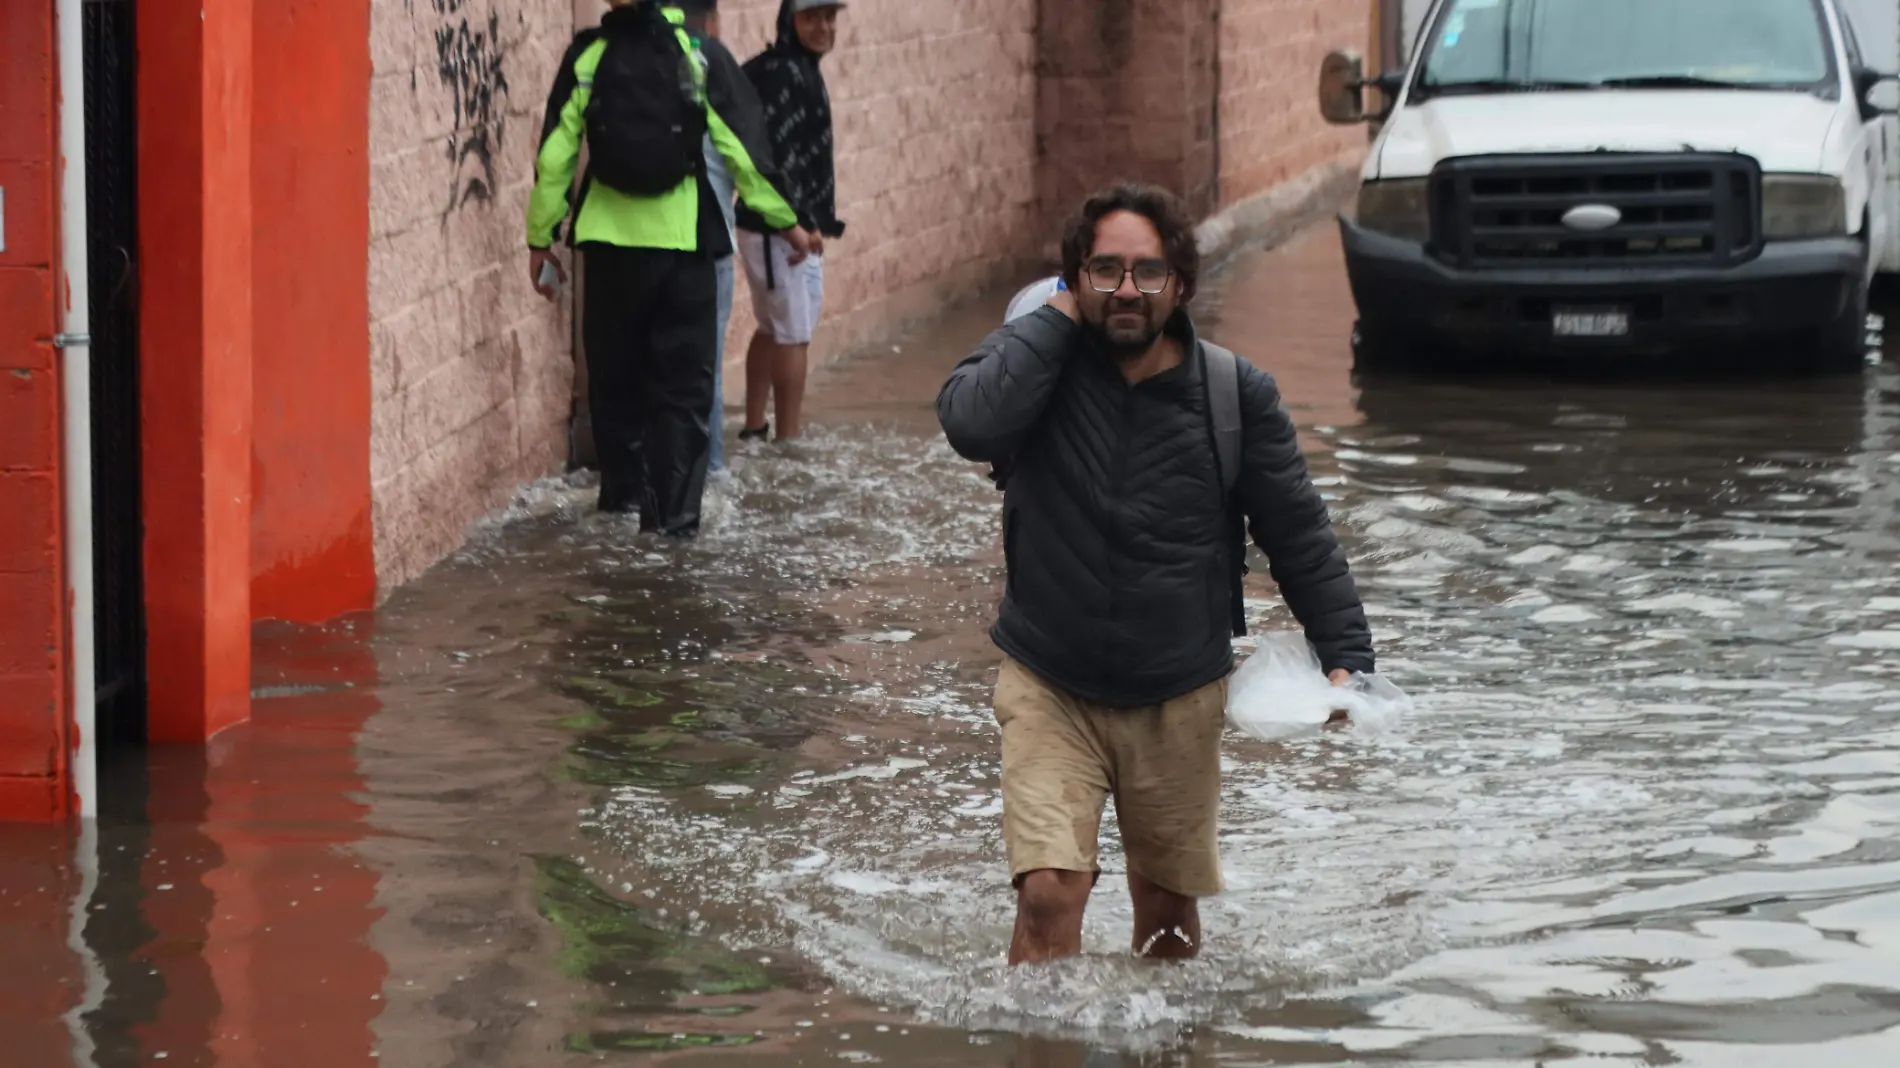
[(1280, 693), (1033, 296)]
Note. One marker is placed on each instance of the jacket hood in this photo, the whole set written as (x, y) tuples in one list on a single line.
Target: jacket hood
[(788, 41)]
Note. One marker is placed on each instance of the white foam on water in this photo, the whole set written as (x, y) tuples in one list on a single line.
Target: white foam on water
[(1565, 613), (887, 770), (1536, 554), (1689, 603), (1751, 545), (1868, 639), (1591, 564)]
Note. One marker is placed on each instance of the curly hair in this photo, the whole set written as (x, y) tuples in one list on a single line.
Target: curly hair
[(1160, 207)]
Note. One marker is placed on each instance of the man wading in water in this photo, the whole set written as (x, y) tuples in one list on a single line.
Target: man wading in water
[(1124, 541)]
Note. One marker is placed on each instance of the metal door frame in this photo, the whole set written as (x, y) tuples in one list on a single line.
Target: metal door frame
[(118, 532)]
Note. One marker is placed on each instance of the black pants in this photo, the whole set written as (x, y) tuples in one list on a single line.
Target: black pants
[(651, 325)]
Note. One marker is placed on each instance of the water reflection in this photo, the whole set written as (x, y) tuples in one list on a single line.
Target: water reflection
[(1790, 447), (37, 985), (228, 920)]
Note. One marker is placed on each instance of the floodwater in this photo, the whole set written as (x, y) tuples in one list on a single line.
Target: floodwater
[(579, 796)]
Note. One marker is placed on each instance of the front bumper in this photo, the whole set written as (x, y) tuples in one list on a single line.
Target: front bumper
[(1792, 287)]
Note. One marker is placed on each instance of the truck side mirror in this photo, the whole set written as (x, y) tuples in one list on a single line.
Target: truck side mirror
[(1342, 88), (1867, 92), (1342, 79)]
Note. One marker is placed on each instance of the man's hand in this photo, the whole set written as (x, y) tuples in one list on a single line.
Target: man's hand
[(801, 241), (538, 260), (817, 243), (1064, 301), (1339, 677)]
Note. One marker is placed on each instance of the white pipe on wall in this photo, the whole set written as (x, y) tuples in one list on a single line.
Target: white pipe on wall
[(74, 294), (75, 347)]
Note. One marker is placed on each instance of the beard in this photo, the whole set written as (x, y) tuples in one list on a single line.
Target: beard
[(1117, 333)]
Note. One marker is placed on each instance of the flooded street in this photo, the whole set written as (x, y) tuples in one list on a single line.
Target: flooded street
[(738, 802)]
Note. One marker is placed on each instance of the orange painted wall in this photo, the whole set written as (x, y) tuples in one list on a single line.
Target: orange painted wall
[(33, 733), (195, 305), (312, 539)]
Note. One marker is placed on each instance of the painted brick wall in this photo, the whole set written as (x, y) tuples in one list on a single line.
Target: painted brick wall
[(471, 371), (1270, 129), (312, 524), (934, 106), (1127, 92), (32, 683)]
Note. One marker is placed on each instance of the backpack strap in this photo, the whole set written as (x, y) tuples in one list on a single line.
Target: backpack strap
[(1222, 371)]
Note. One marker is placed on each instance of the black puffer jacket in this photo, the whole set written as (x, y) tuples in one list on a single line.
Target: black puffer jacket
[(1123, 559), (798, 123)]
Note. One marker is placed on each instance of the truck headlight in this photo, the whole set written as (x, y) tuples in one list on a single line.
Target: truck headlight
[(1801, 205), (1398, 208)]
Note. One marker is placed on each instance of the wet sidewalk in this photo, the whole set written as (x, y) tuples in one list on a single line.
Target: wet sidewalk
[(576, 796)]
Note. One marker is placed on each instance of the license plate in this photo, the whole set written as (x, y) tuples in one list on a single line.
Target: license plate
[(1590, 322)]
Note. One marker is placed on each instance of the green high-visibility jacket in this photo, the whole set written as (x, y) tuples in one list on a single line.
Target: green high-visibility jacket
[(668, 221)]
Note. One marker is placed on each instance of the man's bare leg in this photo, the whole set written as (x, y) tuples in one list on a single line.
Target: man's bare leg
[(788, 388), (1049, 907), (761, 367), (1167, 925)]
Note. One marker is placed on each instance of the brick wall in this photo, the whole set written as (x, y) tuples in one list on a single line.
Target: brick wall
[(1270, 51), (934, 107), (471, 372), (32, 718), (1128, 91)]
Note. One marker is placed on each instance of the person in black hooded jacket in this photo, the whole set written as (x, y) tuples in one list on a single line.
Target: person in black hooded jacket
[(788, 294), (1123, 552)]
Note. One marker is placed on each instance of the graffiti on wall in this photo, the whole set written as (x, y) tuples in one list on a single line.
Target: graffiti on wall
[(469, 61)]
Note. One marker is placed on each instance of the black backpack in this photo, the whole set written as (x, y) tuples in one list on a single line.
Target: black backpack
[(646, 123)]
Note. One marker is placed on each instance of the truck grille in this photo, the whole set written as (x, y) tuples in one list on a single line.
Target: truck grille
[(1676, 209)]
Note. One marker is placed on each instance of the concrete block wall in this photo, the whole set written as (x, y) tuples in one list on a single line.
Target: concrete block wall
[(934, 108), (32, 581), (471, 371), (1214, 99), (1270, 128), (1128, 92)]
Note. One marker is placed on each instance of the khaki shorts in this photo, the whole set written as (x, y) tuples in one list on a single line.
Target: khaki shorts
[(1064, 757)]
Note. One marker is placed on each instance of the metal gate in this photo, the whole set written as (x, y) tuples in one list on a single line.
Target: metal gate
[(112, 256)]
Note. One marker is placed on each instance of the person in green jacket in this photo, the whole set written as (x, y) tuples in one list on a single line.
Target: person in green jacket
[(650, 310)]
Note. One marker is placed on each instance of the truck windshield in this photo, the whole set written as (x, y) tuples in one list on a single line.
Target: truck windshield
[(1499, 46)]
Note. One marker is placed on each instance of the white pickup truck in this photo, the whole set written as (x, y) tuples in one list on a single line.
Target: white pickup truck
[(1605, 178)]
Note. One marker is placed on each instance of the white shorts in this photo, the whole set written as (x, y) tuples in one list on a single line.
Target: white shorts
[(787, 308)]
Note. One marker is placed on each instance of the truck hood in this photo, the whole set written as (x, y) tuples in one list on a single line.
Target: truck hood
[(1783, 131)]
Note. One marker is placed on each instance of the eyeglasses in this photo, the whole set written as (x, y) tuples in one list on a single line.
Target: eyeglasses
[(1107, 275)]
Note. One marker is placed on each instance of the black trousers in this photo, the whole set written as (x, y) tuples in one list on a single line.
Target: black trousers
[(650, 324)]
